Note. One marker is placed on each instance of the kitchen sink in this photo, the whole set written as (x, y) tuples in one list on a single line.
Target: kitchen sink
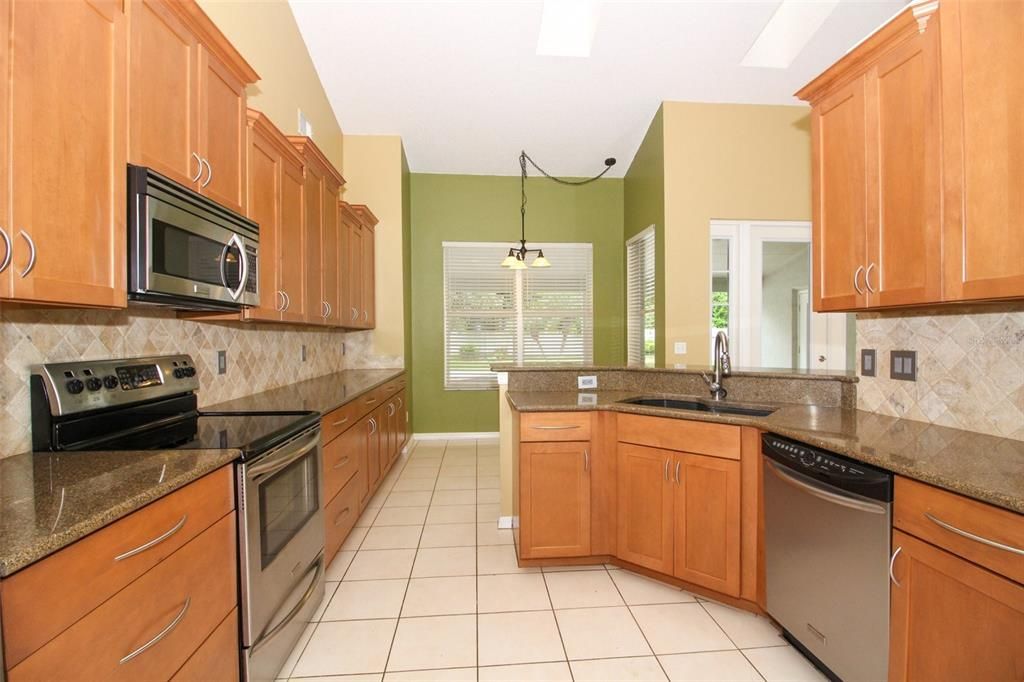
[(699, 406)]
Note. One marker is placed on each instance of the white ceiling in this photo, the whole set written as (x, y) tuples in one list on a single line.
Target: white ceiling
[(461, 82)]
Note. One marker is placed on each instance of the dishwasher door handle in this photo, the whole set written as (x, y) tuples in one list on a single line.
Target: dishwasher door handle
[(821, 494)]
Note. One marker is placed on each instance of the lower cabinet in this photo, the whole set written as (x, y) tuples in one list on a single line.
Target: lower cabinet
[(554, 508), (212, 660), (646, 503)]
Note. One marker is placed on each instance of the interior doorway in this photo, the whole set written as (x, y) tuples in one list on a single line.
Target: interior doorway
[(760, 295)]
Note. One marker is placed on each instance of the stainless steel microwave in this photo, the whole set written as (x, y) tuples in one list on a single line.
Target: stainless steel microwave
[(186, 251)]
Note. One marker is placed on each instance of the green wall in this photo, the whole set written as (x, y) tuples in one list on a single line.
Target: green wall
[(643, 205), (407, 274), (486, 208)]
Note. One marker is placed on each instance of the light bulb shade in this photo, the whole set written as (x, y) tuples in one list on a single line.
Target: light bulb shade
[(518, 265), (508, 262), (540, 261)]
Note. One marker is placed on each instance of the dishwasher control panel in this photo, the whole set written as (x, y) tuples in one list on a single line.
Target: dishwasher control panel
[(829, 467), (811, 458)]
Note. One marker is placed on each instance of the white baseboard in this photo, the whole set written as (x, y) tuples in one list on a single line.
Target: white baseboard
[(507, 522), (458, 435)]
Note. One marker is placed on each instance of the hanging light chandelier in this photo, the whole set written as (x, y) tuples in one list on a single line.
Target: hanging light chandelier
[(516, 258)]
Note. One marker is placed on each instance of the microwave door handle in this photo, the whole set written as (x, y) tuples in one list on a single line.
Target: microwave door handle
[(235, 241), (264, 469)]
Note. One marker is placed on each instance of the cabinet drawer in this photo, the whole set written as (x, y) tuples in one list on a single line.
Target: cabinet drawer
[(341, 461), (552, 426), (183, 598), (42, 600), (702, 438), (341, 513), (217, 658), (950, 520), (394, 386), (338, 421)]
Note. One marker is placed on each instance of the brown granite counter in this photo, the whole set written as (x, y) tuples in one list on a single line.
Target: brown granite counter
[(986, 468), (776, 373), (322, 394), (48, 500)]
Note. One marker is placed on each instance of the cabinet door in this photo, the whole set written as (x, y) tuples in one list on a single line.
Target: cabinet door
[(403, 420), (164, 92), (554, 500), (264, 206), (221, 133), (312, 198), (904, 263), (839, 196), (645, 507), (983, 148), (950, 619), (707, 522), (292, 248), (6, 229), (330, 267), (355, 276), (68, 157), (369, 273)]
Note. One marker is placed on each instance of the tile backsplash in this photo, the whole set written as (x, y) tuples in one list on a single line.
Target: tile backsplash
[(970, 368), (259, 356)]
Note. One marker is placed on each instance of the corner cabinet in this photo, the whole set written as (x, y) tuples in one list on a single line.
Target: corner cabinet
[(915, 161), (74, 255), (188, 103)]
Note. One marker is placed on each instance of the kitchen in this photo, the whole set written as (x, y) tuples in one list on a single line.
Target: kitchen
[(746, 400)]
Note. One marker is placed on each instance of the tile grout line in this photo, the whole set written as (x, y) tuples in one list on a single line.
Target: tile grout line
[(632, 615), (731, 640), (558, 626)]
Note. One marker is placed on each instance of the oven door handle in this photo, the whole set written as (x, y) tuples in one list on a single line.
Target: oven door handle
[(841, 500), (274, 463), (235, 241), (269, 632)]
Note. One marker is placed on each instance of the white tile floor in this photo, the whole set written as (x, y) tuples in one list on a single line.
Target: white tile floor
[(427, 588)]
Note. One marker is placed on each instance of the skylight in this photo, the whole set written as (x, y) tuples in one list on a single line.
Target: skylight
[(787, 33)]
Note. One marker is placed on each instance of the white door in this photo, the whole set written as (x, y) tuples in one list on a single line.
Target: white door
[(761, 276)]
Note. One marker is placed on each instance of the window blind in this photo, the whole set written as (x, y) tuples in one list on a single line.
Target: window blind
[(640, 298), (494, 314)]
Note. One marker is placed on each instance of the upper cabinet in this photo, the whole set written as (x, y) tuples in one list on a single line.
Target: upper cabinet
[(358, 226), (64, 115), (916, 164), (188, 104)]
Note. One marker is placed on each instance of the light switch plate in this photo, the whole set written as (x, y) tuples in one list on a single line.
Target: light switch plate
[(586, 382), (222, 362), (868, 362), (680, 347)]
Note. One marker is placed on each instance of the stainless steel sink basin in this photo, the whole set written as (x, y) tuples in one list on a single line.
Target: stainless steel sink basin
[(699, 406)]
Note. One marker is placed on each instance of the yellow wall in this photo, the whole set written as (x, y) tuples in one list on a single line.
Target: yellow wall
[(373, 174), (723, 161), (265, 33)]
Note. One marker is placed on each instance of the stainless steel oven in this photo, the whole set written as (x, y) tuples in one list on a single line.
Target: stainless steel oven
[(281, 553), (186, 251)]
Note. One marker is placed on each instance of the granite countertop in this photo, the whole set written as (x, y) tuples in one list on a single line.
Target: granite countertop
[(48, 500), (983, 467), (821, 374), (322, 394)]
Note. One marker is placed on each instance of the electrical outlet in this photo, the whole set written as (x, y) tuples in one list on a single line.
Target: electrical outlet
[(586, 399), (868, 365), (343, 348), (680, 347), (903, 365), (303, 352), (586, 382), (222, 362)]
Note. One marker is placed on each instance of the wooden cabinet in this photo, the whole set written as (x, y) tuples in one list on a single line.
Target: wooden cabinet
[(274, 200), (554, 499), (358, 224), (321, 188), (916, 161), (645, 507), (70, 251), (707, 522), (187, 100), (169, 567), (983, 149), (957, 578)]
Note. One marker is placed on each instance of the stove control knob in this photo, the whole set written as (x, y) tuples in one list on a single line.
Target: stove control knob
[(110, 381), (94, 383), (179, 373), (75, 386)]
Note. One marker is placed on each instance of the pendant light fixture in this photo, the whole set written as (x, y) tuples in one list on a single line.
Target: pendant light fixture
[(516, 258)]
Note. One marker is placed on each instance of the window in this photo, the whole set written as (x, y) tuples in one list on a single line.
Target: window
[(640, 298), (494, 314), (722, 253)]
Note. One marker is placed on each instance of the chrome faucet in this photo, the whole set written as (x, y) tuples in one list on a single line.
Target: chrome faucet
[(722, 367)]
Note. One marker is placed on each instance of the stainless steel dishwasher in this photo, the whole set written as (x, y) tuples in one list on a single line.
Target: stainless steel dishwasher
[(827, 534)]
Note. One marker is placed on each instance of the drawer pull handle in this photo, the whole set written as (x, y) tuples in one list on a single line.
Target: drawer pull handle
[(160, 635), (370, 401), (155, 541), (31, 253), (565, 427), (343, 462), (586, 460), (342, 514), (666, 468), (892, 562), (340, 422), (972, 536), (679, 464)]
